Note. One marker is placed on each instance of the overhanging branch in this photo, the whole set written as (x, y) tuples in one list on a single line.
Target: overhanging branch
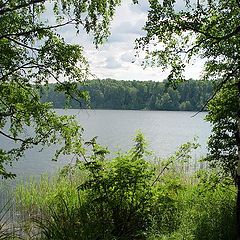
[(22, 44), (220, 85), (14, 70), (16, 139), (17, 7), (208, 35), (34, 30)]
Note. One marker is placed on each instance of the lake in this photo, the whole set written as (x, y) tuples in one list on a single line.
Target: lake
[(164, 131)]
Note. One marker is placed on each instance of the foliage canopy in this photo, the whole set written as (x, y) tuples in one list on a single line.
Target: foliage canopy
[(223, 147), (33, 53), (208, 29), (176, 35)]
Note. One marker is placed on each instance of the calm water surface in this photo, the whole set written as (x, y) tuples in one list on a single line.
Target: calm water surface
[(164, 131)]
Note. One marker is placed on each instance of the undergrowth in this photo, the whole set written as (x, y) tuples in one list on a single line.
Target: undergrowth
[(129, 198)]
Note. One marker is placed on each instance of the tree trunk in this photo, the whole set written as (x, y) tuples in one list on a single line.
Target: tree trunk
[(238, 207), (238, 167)]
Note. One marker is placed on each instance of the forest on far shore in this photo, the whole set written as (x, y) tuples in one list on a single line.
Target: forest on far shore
[(190, 95)]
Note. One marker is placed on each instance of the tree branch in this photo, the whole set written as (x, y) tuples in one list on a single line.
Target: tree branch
[(29, 140), (68, 92), (165, 168), (26, 33), (238, 3), (220, 85), (4, 4), (218, 39), (14, 70), (26, 4), (5, 114), (189, 50), (22, 44), (15, 138)]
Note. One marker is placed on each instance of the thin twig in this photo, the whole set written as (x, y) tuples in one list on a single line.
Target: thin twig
[(220, 85), (164, 168)]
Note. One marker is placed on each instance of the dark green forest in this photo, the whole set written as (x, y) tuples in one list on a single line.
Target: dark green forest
[(190, 95)]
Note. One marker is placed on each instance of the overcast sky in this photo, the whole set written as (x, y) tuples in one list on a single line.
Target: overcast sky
[(115, 59)]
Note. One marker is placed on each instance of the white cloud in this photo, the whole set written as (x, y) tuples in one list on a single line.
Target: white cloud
[(115, 58), (140, 8), (128, 57), (130, 27), (112, 63)]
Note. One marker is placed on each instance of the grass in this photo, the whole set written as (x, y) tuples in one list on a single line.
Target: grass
[(180, 208), (129, 198)]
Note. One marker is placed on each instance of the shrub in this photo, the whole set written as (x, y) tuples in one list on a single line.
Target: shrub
[(129, 198)]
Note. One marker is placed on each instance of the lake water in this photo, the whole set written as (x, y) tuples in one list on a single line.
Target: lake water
[(164, 131)]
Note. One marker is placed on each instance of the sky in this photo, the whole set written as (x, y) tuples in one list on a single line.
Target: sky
[(116, 58)]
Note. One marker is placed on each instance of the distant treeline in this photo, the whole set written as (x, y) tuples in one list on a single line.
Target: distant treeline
[(139, 95)]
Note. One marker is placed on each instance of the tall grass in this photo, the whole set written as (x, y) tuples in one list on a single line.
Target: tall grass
[(8, 229), (203, 210), (129, 198)]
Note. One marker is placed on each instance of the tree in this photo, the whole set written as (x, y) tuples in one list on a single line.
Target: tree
[(223, 149), (33, 53), (206, 29)]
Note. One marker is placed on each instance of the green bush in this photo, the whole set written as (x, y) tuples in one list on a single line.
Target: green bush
[(209, 209), (206, 210), (129, 198)]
